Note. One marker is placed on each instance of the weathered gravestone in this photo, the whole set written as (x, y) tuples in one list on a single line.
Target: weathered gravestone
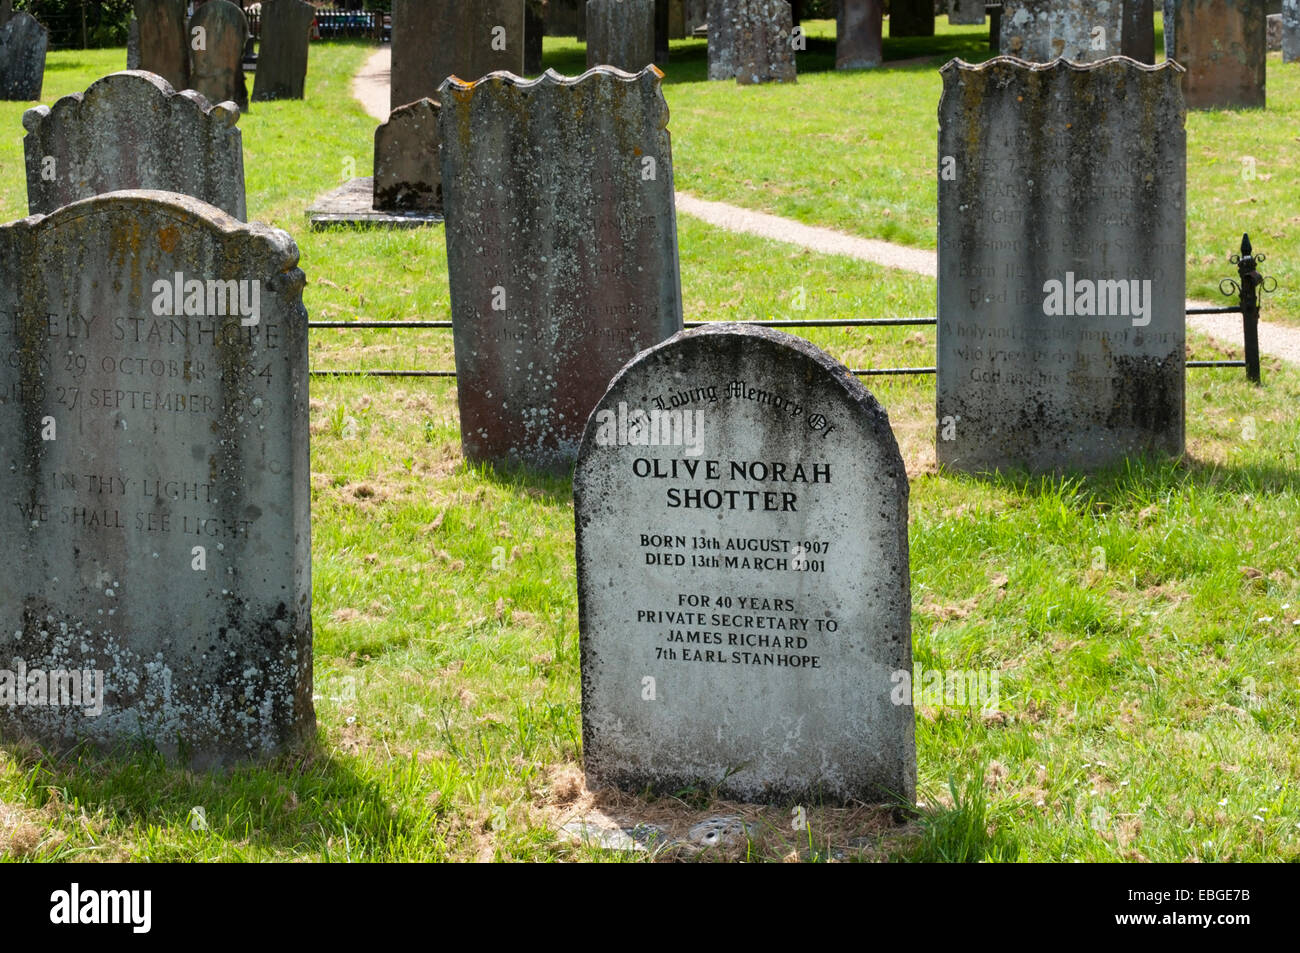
[(750, 41), (561, 251), (164, 40), (621, 33), (966, 12), (133, 44), (1222, 45), (131, 130), (1273, 32), (565, 17), (434, 39), (858, 34), (282, 62), (1082, 31), (154, 478), (408, 177), (697, 14), (1061, 268), (1290, 31), (219, 30), (676, 19), (744, 601), (1138, 32), (911, 18), (23, 45), (534, 30)]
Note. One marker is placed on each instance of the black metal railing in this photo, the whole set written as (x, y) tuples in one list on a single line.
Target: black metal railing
[(1247, 287)]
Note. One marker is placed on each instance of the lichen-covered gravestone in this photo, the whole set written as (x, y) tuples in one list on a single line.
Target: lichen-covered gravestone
[(131, 130), (561, 251), (23, 45), (1223, 46), (282, 60), (217, 52), (164, 40), (154, 476), (1290, 31), (966, 12), (744, 602), (408, 176), (621, 33), (1061, 268), (750, 41), (858, 34), (1082, 31), (434, 39)]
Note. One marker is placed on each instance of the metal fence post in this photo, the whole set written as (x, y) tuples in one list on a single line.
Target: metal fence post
[(1248, 286)]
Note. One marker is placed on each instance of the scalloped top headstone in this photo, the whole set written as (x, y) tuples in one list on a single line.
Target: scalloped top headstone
[(434, 39), (621, 33), (131, 130), (217, 53), (744, 603), (154, 477), (164, 40), (23, 45), (408, 174), (1061, 267), (282, 56), (1081, 31), (561, 250)]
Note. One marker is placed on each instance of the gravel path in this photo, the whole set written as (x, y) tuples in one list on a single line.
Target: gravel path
[(371, 88)]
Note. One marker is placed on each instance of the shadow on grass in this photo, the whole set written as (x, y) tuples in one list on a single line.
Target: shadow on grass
[(551, 488), (310, 804), (1142, 479)]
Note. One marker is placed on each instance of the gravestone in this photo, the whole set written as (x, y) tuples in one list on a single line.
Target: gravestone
[(750, 41), (661, 33), (217, 53), (1222, 45), (858, 34), (966, 12), (1290, 31), (911, 18), (133, 44), (621, 33), (408, 177), (744, 603), (534, 29), (434, 39), (131, 130), (155, 478), (282, 63), (1273, 32), (561, 251), (676, 19), (697, 14), (1081, 31), (1061, 268), (1138, 36), (164, 40), (565, 17), (23, 45)]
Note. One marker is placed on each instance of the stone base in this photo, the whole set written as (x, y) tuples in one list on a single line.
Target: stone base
[(353, 204)]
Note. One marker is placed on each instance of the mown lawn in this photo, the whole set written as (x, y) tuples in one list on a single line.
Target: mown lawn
[(1144, 622)]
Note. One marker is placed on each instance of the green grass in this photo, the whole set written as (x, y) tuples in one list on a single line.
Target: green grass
[(1141, 620)]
